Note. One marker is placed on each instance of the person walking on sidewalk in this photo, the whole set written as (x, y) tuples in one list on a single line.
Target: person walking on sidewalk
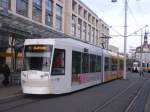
[(6, 72), (141, 73)]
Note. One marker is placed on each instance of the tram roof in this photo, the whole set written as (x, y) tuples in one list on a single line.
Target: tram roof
[(66, 41)]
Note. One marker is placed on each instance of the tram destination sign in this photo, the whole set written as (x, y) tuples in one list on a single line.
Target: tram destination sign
[(37, 48)]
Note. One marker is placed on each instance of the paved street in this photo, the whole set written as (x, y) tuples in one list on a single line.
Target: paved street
[(117, 96)]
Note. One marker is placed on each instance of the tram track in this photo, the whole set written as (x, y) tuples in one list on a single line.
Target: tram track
[(30, 99), (22, 101), (132, 99)]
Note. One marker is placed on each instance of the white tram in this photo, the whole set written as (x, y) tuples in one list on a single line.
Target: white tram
[(63, 65)]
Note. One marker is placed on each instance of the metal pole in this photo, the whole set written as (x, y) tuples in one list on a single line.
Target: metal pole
[(141, 48), (125, 37)]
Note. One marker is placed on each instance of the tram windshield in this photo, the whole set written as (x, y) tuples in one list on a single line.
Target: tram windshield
[(37, 57)]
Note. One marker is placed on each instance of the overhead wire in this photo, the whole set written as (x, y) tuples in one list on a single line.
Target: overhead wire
[(134, 18)]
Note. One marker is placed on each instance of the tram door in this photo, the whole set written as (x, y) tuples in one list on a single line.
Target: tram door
[(61, 70)]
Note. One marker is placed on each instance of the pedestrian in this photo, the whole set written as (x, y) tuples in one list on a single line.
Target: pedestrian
[(6, 72), (141, 73)]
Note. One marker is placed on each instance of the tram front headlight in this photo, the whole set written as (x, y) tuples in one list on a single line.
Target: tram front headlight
[(46, 74), (24, 75)]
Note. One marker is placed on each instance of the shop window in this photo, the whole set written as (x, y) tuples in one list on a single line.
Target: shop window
[(58, 66)]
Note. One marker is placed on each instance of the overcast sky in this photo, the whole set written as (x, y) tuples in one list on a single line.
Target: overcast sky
[(113, 15)]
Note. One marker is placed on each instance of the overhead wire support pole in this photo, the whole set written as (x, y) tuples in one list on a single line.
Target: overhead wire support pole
[(125, 37), (141, 50)]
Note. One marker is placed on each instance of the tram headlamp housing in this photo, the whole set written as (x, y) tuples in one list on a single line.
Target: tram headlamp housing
[(24, 75), (46, 74)]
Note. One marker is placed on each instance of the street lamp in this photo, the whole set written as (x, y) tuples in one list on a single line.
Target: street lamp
[(125, 35)]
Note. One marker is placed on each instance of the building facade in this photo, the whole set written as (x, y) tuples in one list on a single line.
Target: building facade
[(143, 52), (21, 19), (84, 24)]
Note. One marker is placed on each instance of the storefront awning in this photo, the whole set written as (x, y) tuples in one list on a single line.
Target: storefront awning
[(19, 25)]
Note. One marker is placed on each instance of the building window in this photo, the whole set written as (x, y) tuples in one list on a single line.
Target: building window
[(89, 33), (89, 17), (85, 14), (79, 28), (48, 13), (80, 10), (74, 25), (97, 23), (96, 40), (22, 7), (5, 4), (58, 17), (74, 6), (93, 20), (84, 30), (93, 35), (37, 10), (102, 28)]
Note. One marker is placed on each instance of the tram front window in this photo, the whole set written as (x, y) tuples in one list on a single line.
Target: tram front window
[(37, 57)]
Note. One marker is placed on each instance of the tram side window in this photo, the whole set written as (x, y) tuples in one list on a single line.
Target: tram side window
[(85, 63), (114, 64), (98, 64), (58, 66), (76, 62), (121, 64), (92, 63), (107, 64)]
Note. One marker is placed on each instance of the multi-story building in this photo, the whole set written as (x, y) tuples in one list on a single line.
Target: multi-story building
[(84, 24), (20, 19), (143, 51)]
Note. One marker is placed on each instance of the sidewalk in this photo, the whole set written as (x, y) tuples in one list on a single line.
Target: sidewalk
[(11, 91)]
